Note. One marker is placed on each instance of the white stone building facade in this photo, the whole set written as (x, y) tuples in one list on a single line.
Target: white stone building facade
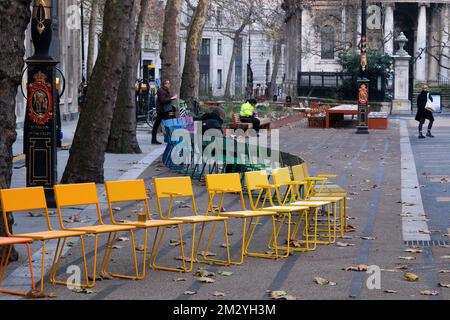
[(323, 28)]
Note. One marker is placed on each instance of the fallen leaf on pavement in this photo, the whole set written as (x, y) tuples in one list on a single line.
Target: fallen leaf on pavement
[(117, 208), (207, 254), (203, 273), (117, 247), (189, 293), (83, 290), (123, 239), (390, 291), (175, 243), (140, 248), (359, 268), (429, 293), (205, 280), (180, 258), (179, 280), (407, 258), (444, 285), (444, 271), (35, 214), (413, 250), (219, 294), (368, 238), (411, 277), (402, 267), (343, 244), (52, 295), (324, 282), (225, 273)]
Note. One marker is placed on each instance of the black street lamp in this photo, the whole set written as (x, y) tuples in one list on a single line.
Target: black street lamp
[(363, 81), (40, 141), (249, 66)]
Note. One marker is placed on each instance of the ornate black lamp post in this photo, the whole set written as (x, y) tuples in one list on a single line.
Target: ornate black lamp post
[(363, 81), (40, 141)]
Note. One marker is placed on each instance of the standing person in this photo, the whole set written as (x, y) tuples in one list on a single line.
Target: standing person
[(423, 114), (163, 107), (248, 114)]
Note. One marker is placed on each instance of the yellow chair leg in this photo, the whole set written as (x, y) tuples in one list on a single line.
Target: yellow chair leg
[(157, 242), (6, 253), (56, 262), (133, 249), (210, 239)]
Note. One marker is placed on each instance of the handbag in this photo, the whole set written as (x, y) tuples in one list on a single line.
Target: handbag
[(430, 105)]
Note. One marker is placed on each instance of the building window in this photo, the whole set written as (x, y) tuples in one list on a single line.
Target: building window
[(328, 43), (206, 47), (219, 79), (219, 47), (147, 42), (219, 17)]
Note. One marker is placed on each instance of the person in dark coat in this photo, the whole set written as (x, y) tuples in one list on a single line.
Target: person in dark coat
[(163, 108), (423, 114), (213, 120)]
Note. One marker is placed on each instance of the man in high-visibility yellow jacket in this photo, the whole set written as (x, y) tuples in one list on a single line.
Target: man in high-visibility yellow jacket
[(247, 114)]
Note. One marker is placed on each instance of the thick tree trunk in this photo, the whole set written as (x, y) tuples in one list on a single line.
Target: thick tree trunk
[(170, 47), (87, 154), (91, 37), (276, 67), (122, 137), (191, 77), (231, 68), (16, 15)]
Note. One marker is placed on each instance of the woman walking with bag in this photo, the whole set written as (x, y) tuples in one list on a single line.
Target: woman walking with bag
[(423, 113)]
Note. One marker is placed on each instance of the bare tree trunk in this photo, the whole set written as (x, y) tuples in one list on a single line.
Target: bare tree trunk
[(276, 67), (91, 37), (191, 77), (87, 154), (16, 15), (122, 137), (170, 54), (231, 67)]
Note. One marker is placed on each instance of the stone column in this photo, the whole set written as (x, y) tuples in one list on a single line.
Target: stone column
[(445, 20), (389, 28), (421, 43)]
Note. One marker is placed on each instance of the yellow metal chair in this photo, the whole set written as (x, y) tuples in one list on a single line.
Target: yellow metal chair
[(320, 183), (282, 179), (218, 186), (135, 191), (7, 245), (84, 194), (324, 192), (181, 188), (258, 181), (30, 199)]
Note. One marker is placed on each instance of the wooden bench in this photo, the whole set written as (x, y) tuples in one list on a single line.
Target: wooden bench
[(237, 124)]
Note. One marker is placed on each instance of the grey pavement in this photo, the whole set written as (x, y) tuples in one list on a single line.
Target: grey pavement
[(370, 167)]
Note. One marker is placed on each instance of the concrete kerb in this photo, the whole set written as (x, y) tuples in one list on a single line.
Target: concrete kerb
[(20, 277)]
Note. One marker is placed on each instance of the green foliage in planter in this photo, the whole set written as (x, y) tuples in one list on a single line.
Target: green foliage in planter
[(379, 65)]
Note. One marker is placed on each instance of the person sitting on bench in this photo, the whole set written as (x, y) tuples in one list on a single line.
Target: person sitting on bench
[(248, 114)]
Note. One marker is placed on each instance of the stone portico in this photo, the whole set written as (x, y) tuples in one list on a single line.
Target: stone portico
[(425, 23)]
